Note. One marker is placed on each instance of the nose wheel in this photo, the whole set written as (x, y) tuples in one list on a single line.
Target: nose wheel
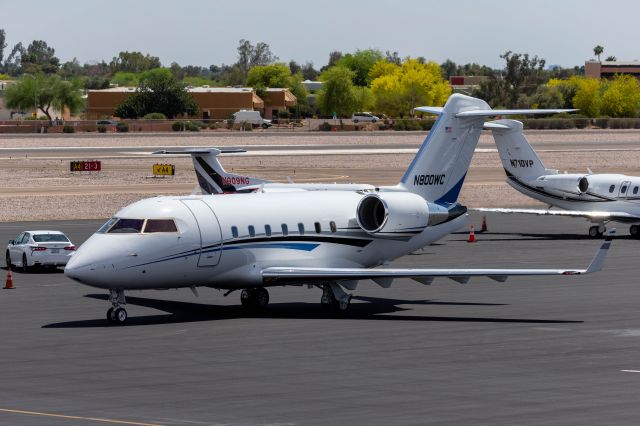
[(117, 315)]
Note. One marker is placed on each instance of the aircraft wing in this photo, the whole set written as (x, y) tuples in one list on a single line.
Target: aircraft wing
[(281, 275), (602, 215)]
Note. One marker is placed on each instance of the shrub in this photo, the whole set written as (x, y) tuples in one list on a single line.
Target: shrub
[(325, 127), (623, 123), (155, 116), (102, 128), (191, 126), (122, 127), (399, 125), (68, 129), (580, 121), (247, 126), (177, 126), (427, 124)]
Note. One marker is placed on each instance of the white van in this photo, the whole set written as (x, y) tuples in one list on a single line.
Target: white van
[(364, 117), (253, 117)]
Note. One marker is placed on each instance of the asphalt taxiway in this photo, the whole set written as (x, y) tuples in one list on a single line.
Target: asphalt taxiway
[(535, 350)]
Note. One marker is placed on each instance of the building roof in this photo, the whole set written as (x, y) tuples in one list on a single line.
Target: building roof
[(199, 89)]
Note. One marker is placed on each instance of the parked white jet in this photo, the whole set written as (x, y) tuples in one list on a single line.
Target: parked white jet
[(329, 239), (214, 179), (599, 198)]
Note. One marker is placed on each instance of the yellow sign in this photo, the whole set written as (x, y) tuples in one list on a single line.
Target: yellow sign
[(164, 170)]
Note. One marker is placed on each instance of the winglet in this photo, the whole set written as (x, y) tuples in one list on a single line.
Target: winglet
[(430, 109), (598, 260)]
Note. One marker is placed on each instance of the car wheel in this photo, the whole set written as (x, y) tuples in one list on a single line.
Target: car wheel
[(355, 121), (8, 259), (25, 265)]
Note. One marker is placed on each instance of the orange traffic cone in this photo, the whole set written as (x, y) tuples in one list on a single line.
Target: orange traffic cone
[(472, 235), (9, 284), (483, 228)]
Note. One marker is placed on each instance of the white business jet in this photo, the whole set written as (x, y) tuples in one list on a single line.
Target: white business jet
[(214, 179), (600, 198), (327, 239)]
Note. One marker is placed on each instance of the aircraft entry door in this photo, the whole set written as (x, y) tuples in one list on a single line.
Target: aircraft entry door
[(210, 232)]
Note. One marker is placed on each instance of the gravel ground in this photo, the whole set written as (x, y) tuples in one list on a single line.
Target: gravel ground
[(43, 189)]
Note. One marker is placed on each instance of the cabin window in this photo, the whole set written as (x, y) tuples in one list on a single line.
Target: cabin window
[(635, 190), (127, 226), (301, 228), (623, 189), (267, 230), (333, 227), (611, 188), (285, 229), (252, 231), (160, 225), (234, 231), (318, 227)]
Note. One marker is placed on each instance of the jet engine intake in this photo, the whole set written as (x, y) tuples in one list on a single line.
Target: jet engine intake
[(392, 214)]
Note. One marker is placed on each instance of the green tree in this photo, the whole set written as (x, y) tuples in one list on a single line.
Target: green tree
[(44, 92), (134, 62), (158, 91), (410, 85), (360, 63), (39, 58), (621, 97), (587, 98), (276, 75), (363, 99), (598, 50), (125, 79), (250, 56), (336, 95), (3, 44)]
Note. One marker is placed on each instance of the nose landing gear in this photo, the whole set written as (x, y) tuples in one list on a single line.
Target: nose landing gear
[(116, 314)]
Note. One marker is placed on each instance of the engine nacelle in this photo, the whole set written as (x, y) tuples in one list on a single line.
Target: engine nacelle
[(563, 184), (393, 214)]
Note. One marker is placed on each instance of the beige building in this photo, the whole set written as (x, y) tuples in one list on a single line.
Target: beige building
[(214, 102), (608, 69)]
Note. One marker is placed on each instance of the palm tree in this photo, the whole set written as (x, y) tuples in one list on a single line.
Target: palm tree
[(598, 51)]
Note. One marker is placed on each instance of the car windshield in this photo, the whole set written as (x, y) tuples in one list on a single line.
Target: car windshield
[(127, 226), (50, 238)]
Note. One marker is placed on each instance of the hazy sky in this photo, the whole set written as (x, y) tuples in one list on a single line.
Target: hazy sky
[(207, 32)]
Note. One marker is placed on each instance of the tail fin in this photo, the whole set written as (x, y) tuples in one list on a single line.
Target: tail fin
[(440, 166), (438, 170), (212, 177), (518, 157)]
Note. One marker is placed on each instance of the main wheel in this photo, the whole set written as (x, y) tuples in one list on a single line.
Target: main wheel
[(634, 230), (110, 316), (8, 259), (261, 297), (344, 304), (245, 297), (120, 316), (594, 232), (25, 265)]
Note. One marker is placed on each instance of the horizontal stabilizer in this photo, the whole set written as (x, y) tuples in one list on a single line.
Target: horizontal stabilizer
[(429, 110), (494, 112), (199, 151)]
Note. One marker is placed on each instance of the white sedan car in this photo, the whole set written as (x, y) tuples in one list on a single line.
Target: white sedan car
[(39, 248)]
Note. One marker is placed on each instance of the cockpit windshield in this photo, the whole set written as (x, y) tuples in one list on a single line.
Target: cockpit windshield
[(127, 226), (117, 225)]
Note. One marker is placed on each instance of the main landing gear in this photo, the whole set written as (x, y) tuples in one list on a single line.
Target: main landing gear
[(116, 314), (254, 297), (334, 297), (634, 231), (597, 231)]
